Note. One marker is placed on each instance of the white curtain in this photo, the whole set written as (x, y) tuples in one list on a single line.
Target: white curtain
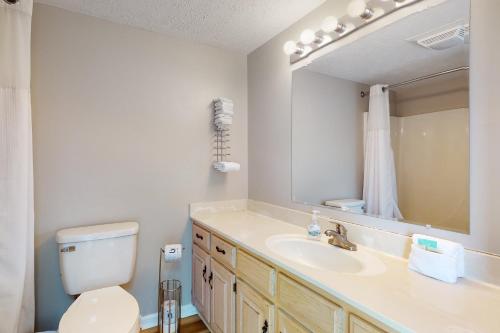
[(16, 171), (380, 187)]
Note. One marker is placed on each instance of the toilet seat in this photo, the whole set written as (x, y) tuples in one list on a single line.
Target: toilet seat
[(107, 310)]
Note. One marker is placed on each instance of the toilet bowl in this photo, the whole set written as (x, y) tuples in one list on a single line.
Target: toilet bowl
[(106, 310)]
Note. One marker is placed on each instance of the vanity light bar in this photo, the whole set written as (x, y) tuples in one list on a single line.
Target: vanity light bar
[(360, 14)]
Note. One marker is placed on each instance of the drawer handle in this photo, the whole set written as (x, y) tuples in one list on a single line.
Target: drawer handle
[(199, 236), (220, 250), (205, 273), (210, 278), (265, 327)]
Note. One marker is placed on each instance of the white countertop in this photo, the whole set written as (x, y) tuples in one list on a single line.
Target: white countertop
[(404, 300)]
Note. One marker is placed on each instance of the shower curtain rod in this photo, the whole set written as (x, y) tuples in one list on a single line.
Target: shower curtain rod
[(426, 77)]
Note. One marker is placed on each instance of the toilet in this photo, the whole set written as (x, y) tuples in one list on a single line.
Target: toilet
[(94, 261)]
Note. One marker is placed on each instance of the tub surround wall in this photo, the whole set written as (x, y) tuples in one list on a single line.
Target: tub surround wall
[(122, 131), (269, 84)]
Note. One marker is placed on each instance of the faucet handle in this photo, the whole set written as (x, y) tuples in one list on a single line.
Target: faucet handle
[(338, 229), (341, 229)]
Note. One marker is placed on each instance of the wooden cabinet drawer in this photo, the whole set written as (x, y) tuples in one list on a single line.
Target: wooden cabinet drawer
[(201, 237), (288, 325), (358, 325), (310, 309), (258, 274), (223, 252)]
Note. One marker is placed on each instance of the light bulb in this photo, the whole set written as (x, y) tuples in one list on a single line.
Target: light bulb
[(329, 24), (307, 36), (358, 8), (290, 47)]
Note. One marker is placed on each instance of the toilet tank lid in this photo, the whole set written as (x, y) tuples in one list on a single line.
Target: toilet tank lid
[(95, 232)]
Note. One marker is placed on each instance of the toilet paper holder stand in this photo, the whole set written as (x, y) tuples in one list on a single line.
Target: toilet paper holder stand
[(169, 298)]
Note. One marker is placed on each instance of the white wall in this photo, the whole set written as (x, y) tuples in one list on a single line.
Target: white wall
[(269, 84), (327, 137), (122, 131)]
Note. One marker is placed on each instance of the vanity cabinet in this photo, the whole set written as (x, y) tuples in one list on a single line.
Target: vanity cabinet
[(200, 289), (222, 283), (236, 291), (254, 313)]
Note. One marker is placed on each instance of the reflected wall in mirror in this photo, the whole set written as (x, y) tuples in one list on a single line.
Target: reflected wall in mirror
[(380, 126)]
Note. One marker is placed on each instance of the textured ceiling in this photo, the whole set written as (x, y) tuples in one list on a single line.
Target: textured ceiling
[(386, 56), (240, 25)]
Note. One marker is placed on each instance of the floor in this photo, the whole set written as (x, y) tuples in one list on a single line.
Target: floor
[(191, 324)]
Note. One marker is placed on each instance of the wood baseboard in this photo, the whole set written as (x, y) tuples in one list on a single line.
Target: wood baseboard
[(191, 324)]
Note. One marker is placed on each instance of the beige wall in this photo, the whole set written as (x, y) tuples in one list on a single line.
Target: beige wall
[(327, 136), (122, 131), (432, 166), (269, 80), (445, 93)]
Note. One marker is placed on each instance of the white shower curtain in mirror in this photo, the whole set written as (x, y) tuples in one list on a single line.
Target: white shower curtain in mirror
[(380, 187), (16, 170)]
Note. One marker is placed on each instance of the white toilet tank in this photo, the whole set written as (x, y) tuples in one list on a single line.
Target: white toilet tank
[(97, 256)]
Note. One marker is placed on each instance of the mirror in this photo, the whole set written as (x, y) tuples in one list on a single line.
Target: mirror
[(380, 126)]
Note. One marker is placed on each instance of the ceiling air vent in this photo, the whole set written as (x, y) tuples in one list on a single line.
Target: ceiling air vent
[(443, 39)]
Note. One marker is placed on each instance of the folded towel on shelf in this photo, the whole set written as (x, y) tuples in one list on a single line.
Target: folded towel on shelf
[(437, 258), (346, 204), (226, 166)]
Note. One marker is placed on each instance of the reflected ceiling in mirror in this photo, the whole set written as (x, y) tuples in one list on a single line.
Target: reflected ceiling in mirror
[(417, 171)]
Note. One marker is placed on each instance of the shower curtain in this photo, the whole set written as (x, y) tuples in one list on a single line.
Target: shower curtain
[(16, 171), (380, 187)]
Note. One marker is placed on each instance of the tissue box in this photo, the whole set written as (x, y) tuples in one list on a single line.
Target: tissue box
[(447, 265)]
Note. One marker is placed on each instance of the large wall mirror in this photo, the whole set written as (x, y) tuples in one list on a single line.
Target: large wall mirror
[(380, 126)]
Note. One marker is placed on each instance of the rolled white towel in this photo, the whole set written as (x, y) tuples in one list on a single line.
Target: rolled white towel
[(226, 166), (222, 105), (223, 100), (224, 111), (223, 116), (223, 122)]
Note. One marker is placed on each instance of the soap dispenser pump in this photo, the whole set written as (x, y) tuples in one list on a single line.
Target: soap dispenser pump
[(314, 229)]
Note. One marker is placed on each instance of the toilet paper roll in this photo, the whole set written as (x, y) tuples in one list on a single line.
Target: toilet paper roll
[(173, 252), (169, 317)]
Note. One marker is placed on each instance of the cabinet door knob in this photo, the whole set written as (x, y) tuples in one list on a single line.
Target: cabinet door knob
[(199, 236), (205, 273), (210, 278), (220, 250), (265, 327)]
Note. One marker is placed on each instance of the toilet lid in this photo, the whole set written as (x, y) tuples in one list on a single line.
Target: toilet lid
[(107, 310)]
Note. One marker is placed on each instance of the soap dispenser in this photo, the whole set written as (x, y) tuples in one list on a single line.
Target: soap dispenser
[(314, 229)]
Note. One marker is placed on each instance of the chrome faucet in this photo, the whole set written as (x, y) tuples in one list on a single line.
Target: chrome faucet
[(338, 237)]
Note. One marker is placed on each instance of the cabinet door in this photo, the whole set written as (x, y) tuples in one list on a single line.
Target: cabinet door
[(254, 314), (200, 291), (223, 299), (288, 325)]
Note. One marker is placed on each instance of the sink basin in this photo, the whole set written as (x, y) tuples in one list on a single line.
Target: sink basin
[(323, 256)]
